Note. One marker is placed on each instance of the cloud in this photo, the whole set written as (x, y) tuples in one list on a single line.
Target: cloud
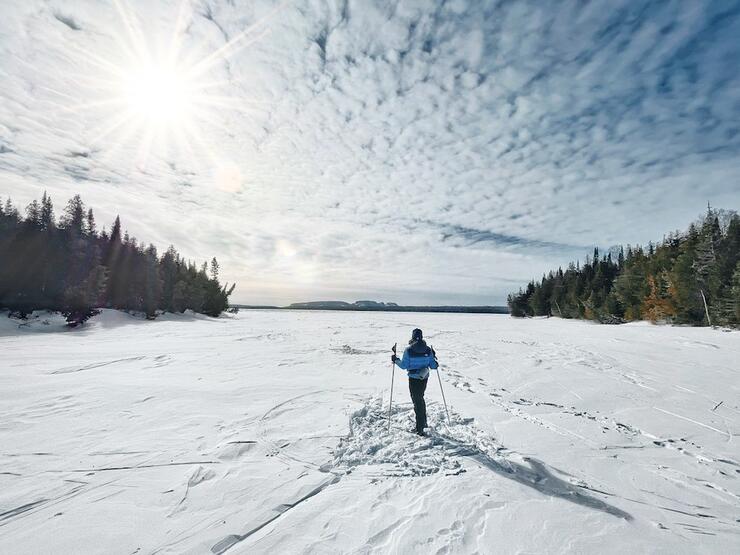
[(419, 151)]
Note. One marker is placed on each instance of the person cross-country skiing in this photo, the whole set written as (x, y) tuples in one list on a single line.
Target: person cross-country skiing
[(417, 359)]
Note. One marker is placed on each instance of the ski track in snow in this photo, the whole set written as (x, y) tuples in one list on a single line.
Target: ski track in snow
[(271, 433)]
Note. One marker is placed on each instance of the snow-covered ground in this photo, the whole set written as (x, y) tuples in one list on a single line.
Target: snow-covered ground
[(266, 432)]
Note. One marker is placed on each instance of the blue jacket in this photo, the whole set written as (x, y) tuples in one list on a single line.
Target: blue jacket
[(417, 359)]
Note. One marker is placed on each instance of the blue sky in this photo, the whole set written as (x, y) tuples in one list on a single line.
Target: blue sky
[(417, 152)]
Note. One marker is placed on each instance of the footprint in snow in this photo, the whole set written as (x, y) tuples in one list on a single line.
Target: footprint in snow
[(400, 452)]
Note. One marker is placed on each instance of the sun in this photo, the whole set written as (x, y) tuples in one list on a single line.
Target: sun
[(160, 98), (159, 94)]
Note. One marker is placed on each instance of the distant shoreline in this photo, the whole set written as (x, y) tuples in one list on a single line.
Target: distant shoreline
[(386, 308)]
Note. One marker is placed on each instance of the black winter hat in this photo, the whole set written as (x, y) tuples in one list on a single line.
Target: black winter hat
[(416, 335)]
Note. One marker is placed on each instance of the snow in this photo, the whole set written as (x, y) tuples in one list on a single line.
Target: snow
[(267, 432)]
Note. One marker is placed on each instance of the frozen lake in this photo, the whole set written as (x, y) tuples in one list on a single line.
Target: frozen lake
[(266, 432)]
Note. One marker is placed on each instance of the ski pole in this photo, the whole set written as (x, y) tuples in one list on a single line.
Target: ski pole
[(443, 398), (449, 422), (393, 375)]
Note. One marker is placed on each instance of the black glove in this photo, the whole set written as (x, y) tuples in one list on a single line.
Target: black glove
[(394, 358)]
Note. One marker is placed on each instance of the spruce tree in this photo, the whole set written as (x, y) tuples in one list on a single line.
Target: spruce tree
[(91, 230), (74, 269), (74, 216), (670, 281), (47, 212), (33, 215)]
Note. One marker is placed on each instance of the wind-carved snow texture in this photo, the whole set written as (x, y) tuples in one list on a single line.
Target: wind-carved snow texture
[(265, 432)]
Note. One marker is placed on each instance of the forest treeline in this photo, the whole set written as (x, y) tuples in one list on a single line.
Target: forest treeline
[(69, 266), (689, 278)]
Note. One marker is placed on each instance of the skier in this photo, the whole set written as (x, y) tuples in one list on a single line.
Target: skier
[(417, 359)]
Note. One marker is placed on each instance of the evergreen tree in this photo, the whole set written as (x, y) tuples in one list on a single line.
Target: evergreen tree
[(47, 212), (74, 216), (33, 215), (688, 278), (736, 293), (91, 230), (73, 269), (115, 234), (10, 211), (153, 282)]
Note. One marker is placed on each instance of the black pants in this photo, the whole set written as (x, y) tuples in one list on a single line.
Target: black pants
[(417, 389)]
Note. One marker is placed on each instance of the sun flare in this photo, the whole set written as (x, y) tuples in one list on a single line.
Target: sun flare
[(159, 99)]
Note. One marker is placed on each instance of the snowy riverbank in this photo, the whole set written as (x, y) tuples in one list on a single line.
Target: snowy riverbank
[(266, 432)]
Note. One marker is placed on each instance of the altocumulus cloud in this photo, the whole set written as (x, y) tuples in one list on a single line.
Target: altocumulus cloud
[(411, 151)]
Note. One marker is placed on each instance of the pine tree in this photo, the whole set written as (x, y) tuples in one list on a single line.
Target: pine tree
[(74, 269), (10, 211), (115, 234), (33, 215), (47, 212), (736, 295), (91, 223), (705, 261), (687, 278), (153, 287), (179, 297), (74, 216)]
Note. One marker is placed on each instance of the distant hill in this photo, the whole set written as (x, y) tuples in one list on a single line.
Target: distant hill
[(392, 307), (370, 306)]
